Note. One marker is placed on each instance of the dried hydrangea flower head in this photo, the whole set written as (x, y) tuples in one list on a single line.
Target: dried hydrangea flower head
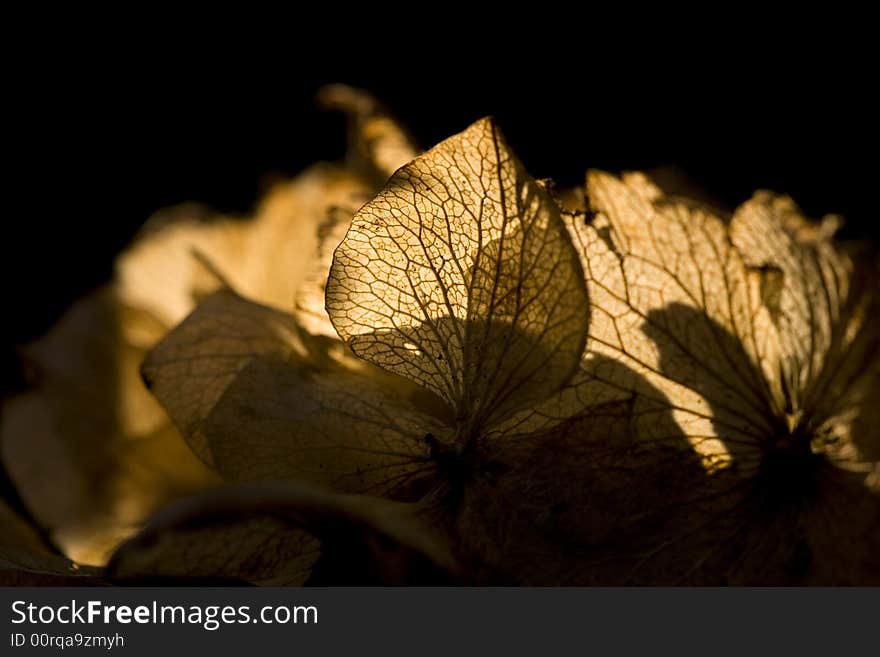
[(645, 455), (643, 392)]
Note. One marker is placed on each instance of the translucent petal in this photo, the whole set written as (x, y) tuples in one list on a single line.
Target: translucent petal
[(460, 276), (256, 404)]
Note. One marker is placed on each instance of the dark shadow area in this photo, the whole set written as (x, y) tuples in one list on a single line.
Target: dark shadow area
[(609, 497), (370, 558), (797, 518)]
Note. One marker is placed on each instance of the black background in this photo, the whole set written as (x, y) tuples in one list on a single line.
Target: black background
[(100, 140)]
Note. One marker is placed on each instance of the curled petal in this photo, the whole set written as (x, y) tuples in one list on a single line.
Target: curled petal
[(282, 533)]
